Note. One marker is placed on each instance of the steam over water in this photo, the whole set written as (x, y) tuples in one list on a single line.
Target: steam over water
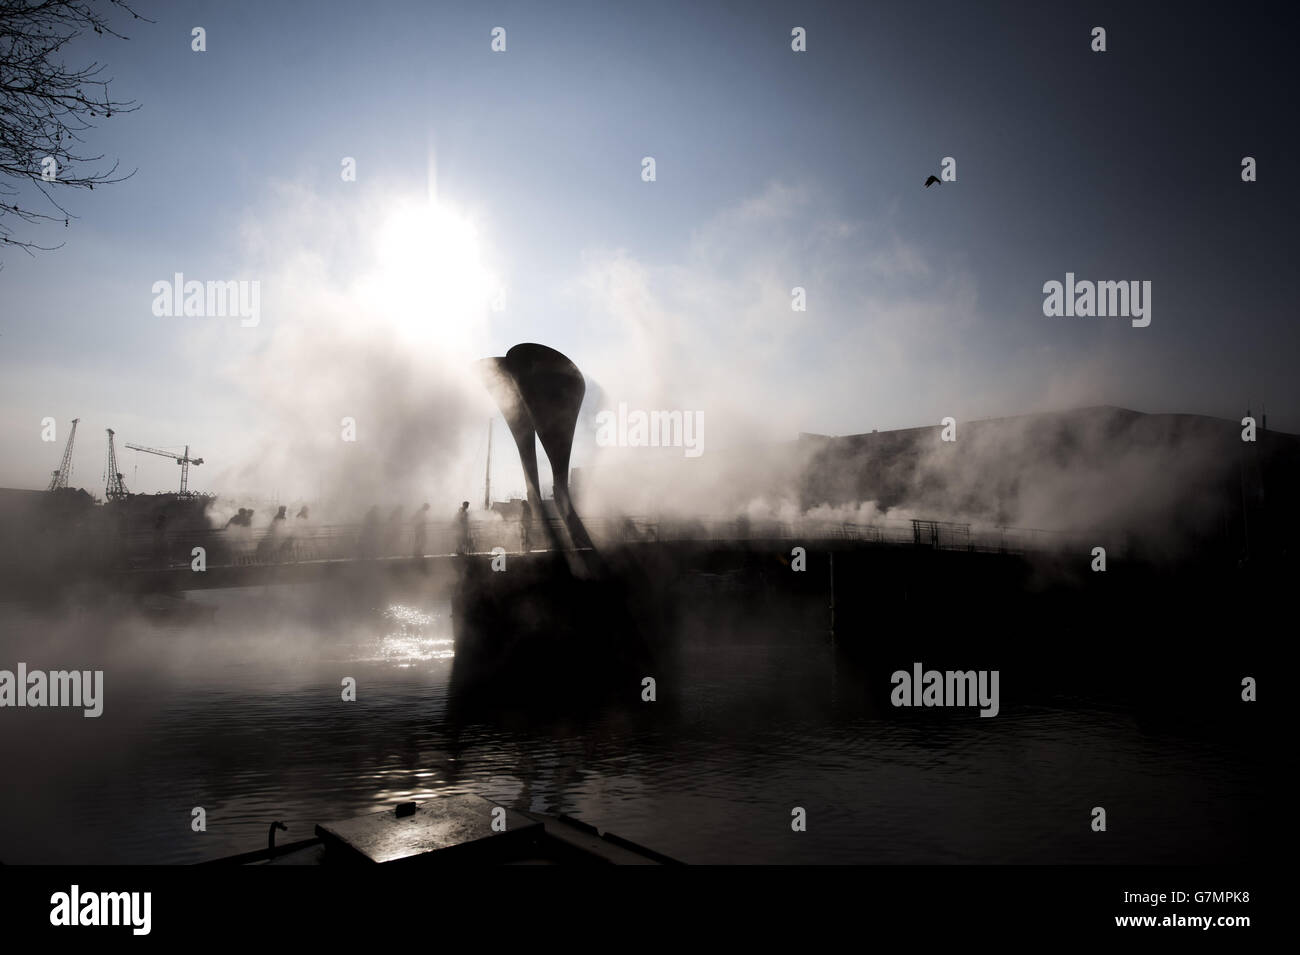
[(241, 715)]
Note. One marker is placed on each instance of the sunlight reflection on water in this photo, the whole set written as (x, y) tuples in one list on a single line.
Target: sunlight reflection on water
[(244, 717), (412, 637)]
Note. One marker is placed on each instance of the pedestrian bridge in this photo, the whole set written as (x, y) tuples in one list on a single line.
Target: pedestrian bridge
[(296, 552)]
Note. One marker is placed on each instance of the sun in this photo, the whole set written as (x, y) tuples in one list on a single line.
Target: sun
[(431, 283)]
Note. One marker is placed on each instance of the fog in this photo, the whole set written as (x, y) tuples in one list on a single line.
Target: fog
[(361, 386)]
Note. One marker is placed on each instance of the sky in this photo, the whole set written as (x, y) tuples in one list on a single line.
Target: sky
[(499, 198)]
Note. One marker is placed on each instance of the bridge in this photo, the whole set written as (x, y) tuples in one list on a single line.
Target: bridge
[(298, 552)]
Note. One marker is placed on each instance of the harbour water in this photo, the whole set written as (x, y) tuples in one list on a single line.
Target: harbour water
[(234, 704)]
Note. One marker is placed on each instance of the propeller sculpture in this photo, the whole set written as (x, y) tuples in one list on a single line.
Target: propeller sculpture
[(540, 392)]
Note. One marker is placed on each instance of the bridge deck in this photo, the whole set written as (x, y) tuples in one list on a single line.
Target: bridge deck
[(341, 552)]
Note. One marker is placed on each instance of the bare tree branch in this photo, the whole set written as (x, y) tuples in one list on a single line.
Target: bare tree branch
[(45, 107)]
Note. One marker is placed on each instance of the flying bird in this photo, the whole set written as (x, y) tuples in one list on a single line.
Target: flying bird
[(931, 181)]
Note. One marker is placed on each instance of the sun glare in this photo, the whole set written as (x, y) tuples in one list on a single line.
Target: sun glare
[(430, 282)]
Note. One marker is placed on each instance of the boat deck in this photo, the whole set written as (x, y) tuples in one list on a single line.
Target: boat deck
[(455, 830)]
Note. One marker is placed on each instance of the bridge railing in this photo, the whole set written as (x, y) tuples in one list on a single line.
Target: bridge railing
[(297, 542), (938, 535)]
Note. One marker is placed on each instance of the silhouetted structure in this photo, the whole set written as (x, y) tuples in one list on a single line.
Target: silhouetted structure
[(368, 542), (421, 522), (463, 545), (59, 479), (114, 485), (540, 392)]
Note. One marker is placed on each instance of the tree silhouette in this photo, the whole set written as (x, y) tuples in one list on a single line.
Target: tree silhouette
[(46, 105)]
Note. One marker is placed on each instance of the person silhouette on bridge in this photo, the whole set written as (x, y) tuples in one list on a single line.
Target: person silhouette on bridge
[(368, 544), (421, 522), (270, 546), (462, 529), (243, 523)]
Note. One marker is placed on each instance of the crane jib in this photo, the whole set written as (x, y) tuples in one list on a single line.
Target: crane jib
[(184, 460)]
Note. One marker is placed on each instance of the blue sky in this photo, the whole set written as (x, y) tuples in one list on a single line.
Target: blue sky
[(774, 169)]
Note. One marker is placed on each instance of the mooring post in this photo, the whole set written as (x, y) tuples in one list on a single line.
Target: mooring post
[(270, 836)]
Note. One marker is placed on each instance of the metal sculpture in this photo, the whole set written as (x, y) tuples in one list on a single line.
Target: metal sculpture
[(540, 392)]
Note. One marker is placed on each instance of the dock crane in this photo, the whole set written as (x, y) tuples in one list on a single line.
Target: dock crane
[(184, 460), (59, 481), (114, 486)]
